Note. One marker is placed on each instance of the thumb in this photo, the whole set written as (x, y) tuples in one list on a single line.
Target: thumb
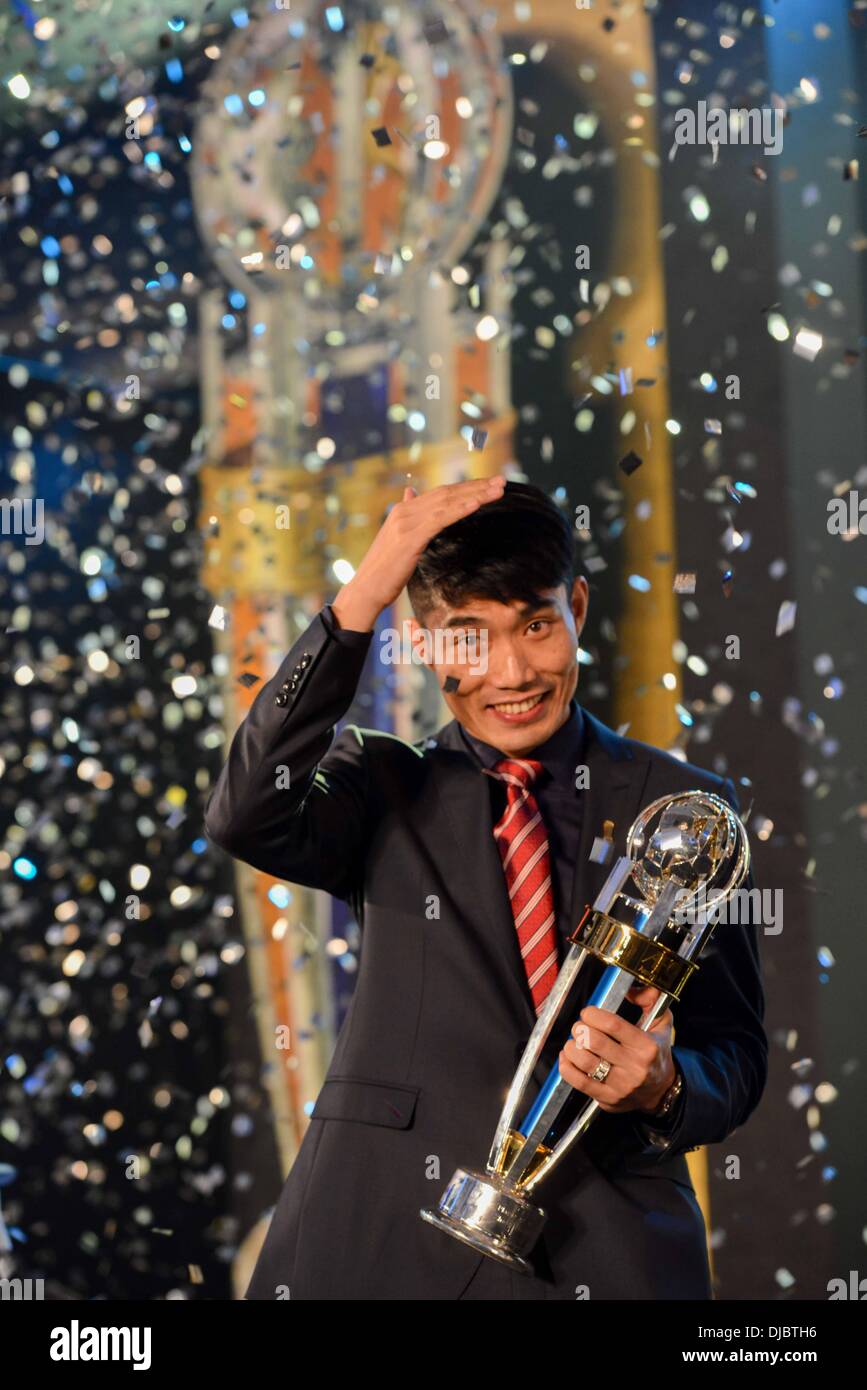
[(408, 493), (645, 996)]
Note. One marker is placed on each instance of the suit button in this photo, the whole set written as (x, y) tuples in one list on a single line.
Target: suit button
[(305, 661), (285, 685), (293, 684), (281, 699)]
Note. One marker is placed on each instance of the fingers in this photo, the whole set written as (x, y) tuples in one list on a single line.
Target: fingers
[(582, 1055), (451, 492), (633, 1055), (586, 1052), (618, 1084), (630, 1065), (591, 1044), (450, 501), (469, 488), (633, 1039), (456, 499)]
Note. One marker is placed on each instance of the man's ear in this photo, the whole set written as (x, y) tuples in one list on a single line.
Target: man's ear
[(579, 602)]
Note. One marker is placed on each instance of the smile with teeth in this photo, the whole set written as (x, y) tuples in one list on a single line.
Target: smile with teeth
[(520, 706)]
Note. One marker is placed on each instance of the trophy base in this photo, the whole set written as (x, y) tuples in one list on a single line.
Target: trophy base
[(483, 1244), (480, 1210)]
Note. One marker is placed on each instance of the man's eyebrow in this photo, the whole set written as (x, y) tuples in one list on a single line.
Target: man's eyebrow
[(532, 610), (526, 610), (465, 620)]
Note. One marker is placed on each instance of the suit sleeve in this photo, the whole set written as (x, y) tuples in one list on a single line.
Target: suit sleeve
[(288, 801), (720, 1045)]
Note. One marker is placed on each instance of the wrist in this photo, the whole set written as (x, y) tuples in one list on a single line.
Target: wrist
[(670, 1078), (353, 612)]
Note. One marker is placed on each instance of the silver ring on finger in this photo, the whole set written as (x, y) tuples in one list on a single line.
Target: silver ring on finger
[(601, 1071)]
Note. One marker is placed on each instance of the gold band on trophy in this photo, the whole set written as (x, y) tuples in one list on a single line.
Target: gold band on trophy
[(649, 962)]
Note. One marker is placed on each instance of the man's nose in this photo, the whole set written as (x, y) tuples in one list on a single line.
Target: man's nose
[(508, 667)]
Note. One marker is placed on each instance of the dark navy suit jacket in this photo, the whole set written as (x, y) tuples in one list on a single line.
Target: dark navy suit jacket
[(442, 1010)]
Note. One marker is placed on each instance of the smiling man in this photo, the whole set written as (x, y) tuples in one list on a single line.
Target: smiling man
[(468, 860)]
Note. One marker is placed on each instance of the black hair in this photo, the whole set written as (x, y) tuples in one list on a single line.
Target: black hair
[(510, 550)]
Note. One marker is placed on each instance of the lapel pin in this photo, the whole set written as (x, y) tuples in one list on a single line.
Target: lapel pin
[(603, 845)]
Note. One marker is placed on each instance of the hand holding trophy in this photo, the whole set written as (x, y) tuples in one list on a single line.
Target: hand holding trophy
[(686, 855)]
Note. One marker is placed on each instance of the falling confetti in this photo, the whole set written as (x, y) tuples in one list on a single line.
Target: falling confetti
[(629, 463), (684, 583), (786, 617), (807, 344)]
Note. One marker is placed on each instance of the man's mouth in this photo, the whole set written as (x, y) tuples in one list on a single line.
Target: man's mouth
[(519, 710)]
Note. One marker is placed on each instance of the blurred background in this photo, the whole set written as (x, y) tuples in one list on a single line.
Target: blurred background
[(261, 264)]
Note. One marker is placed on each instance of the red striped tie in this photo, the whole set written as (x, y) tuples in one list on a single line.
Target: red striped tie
[(523, 844)]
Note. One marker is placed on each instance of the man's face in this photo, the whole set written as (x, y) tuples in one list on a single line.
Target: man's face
[(519, 694)]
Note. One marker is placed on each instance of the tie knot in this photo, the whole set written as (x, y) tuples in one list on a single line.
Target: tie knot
[(518, 772)]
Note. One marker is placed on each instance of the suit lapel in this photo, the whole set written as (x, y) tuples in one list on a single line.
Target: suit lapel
[(617, 779), (464, 797)]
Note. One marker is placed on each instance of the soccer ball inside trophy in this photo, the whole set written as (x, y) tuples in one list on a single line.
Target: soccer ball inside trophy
[(686, 855)]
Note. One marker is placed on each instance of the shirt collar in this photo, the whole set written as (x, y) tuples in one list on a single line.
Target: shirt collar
[(559, 754)]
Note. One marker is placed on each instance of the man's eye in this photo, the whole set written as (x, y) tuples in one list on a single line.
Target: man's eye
[(539, 624)]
